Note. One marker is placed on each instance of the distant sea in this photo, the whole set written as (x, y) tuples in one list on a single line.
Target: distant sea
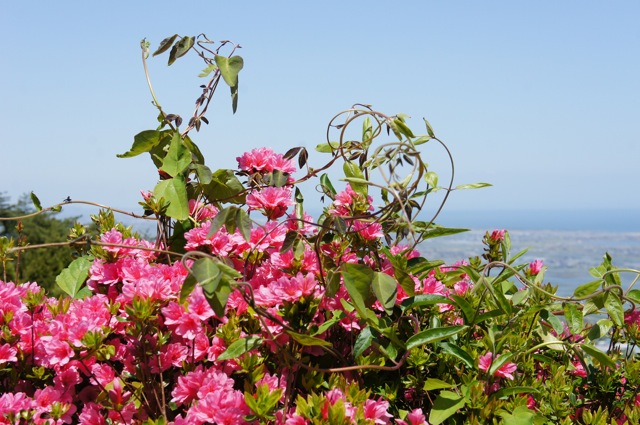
[(568, 242)]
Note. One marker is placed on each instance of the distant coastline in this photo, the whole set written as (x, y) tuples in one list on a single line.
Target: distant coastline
[(623, 220)]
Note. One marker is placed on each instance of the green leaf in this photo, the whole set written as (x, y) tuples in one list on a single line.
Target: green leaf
[(432, 335), (634, 295), (467, 310), (472, 186), (308, 341), (71, 279), (553, 320), (204, 173), (208, 70), (178, 157), (587, 289), (188, 286), (431, 178), (363, 341), (574, 318), (239, 347), (218, 299), (447, 404), (614, 307), (402, 128), (385, 289), (458, 352), (327, 187), (429, 128), (327, 147), (243, 223), (599, 355), (437, 231), (234, 98), (424, 299), (521, 415), (600, 329), (224, 186), (229, 68), (207, 273), (436, 384), (352, 170), (180, 48), (36, 201), (499, 361), (143, 142), (165, 45), (357, 281), (337, 315), (174, 191), (509, 391)]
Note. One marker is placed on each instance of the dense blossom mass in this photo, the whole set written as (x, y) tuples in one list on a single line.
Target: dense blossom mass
[(294, 321)]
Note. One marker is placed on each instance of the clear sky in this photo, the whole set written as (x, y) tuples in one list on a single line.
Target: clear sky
[(541, 99)]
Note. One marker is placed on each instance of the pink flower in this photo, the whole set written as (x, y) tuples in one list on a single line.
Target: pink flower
[(505, 371), (416, 417), (497, 235), (377, 411), (535, 267), (273, 201), (57, 352), (112, 237), (632, 318), (264, 160), (8, 353)]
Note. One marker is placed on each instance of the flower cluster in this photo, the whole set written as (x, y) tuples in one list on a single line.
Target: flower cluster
[(297, 322)]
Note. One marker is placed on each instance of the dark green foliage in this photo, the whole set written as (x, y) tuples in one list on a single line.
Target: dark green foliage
[(35, 265)]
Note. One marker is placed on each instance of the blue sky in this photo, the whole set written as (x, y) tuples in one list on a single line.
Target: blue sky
[(541, 99)]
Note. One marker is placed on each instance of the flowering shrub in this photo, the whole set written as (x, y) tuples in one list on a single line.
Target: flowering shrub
[(247, 310)]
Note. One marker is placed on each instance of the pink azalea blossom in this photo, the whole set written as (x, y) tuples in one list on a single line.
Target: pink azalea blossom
[(377, 411), (8, 353), (505, 371), (272, 201), (415, 417), (535, 267), (497, 235), (264, 160)]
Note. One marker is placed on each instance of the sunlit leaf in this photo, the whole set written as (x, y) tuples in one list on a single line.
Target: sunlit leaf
[(613, 305), (574, 318), (446, 405), (178, 157), (472, 186), (36, 201), (352, 170), (239, 347), (521, 415), (143, 142), (436, 384), (457, 352), (174, 191), (587, 289), (71, 279), (307, 340), (432, 335), (599, 355)]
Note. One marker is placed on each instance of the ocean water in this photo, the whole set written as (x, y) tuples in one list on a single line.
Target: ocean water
[(568, 254)]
